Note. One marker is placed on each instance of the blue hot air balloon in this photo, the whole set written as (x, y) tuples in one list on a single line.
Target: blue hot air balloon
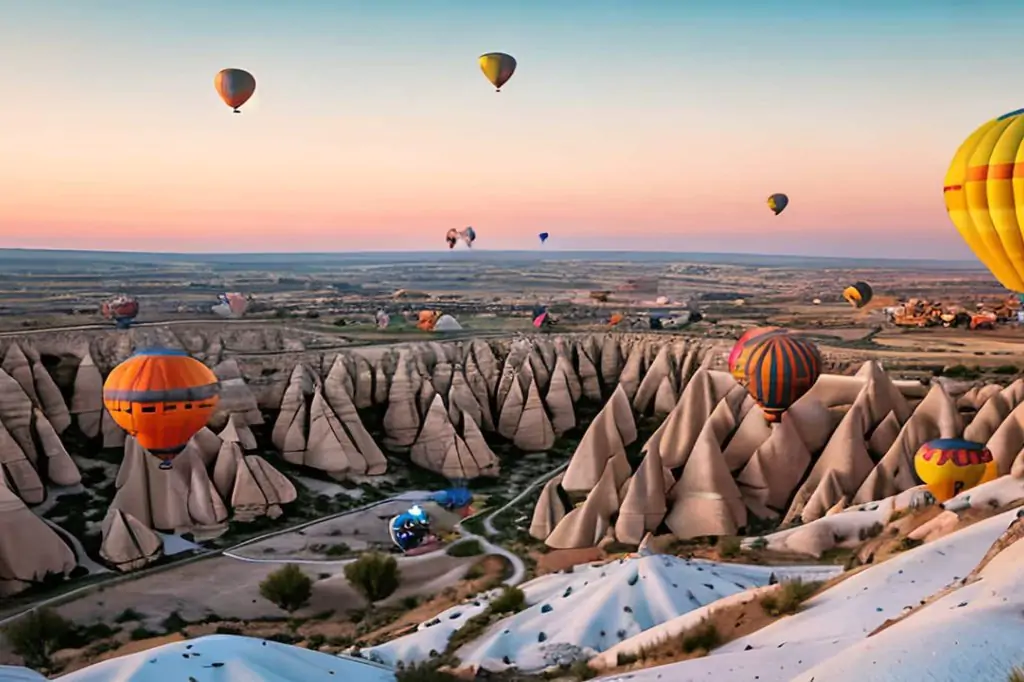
[(543, 237), (410, 528)]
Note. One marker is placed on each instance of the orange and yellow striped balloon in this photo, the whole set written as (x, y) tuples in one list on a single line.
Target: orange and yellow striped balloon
[(162, 397), (984, 193), (778, 370)]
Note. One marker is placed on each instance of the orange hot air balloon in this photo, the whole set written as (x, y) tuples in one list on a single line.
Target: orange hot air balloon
[(736, 355), (427, 320), (161, 397), (949, 466), (235, 87), (615, 319), (779, 369)]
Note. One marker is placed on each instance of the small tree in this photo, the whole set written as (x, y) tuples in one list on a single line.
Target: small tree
[(374, 575), (37, 635), (287, 587)]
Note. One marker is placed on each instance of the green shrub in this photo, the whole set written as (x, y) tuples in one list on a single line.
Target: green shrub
[(728, 547), (465, 548), (145, 633), (789, 597), (703, 637), (374, 575), (37, 635), (288, 587), (511, 600), (339, 549), (581, 671), (426, 671), (1006, 369)]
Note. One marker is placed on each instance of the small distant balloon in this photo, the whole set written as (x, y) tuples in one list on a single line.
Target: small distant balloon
[(467, 235), (498, 67), (543, 237), (778, 203), (235, 87)]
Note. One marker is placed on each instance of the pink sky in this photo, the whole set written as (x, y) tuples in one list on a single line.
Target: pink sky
[(118, 141)]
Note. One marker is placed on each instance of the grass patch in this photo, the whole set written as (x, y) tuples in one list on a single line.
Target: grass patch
[(465, 548), (704, 637), (728, 547), (789, 597)]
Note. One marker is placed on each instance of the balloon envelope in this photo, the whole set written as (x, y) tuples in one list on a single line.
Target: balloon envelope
[(543, 237), (779, 369), (948, 466), (498, 67), (122, 309), (982, 200), (735, 355), (161, 397), (778, 203), (234, 86), (858, 294)]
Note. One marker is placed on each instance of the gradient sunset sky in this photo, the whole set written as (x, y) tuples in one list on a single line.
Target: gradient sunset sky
[(631, 124)]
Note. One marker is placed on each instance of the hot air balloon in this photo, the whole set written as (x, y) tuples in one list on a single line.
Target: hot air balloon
[(427, 320), (735, 359), (410, 529), (235, 87), (232, 304), (543, 237), (615, 319), (122, 309), (778, 203), (382, 319), (467, 235), (949, 466), (161, 397), (541, 317), (778, 369), (456, 499), (498, 67), (981, 198), (858, 294)]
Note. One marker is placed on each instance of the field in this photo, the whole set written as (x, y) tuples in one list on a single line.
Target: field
[(305, 309)]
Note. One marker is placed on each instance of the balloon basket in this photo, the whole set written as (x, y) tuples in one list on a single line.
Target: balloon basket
[(165, 464)]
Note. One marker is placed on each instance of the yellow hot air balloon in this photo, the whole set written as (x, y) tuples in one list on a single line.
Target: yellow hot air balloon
[(984, 192), (498, 67)]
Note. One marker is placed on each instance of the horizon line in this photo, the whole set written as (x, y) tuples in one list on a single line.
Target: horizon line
[(536, 252)]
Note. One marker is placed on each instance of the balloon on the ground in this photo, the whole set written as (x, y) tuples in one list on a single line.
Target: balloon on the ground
[(778, 203), (382, 319), (735, 355), (453, 498), (982, 200), (778, 369), (949, 466), (410, 528), (235, 87), (498, 67), (161, 397), (858, 294), (543, 237), (540, 316), (231, 304), (122, 309), (615, 319), (427, 319)]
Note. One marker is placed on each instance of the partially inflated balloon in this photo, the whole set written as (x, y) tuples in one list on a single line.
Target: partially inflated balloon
[(779, 369), (498, 67), (122, 309), (984, 193), (736, 355), (235, 87), (858, 294), (949, 466), (452, 237), (778, 203), (162, 397)]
